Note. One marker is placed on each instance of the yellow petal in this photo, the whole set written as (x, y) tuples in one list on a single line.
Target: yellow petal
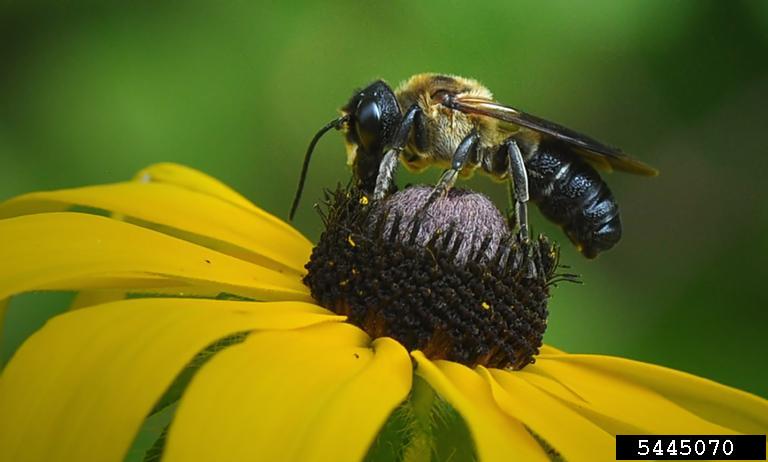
[(315, 394), (249, 233), (550, 350), (497, 436), (627, 402), (572, 435), (195, 180), (79, 388), (67, 251), (608, 419), (726, 406)]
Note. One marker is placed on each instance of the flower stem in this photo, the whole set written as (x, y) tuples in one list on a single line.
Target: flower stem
[(422, 405)]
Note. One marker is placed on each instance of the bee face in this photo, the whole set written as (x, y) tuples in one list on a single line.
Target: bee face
[(373, 116)]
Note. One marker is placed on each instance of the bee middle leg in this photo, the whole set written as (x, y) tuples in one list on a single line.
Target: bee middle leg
[(518, 184), (467, 149)]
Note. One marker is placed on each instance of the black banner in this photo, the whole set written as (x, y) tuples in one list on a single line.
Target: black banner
[(690, 447)]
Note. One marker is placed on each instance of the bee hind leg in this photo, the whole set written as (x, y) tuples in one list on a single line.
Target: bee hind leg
[(467, 149), (518, 185)]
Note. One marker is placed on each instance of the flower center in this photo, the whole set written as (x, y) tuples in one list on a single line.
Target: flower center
[(449, 279)]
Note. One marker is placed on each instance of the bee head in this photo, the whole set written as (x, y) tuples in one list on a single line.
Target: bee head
[(369, 120), (374, 116)]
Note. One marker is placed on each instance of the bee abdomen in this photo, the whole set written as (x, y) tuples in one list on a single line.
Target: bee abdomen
[(570, 193)]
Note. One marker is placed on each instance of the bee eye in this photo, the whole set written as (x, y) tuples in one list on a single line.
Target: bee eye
[(368, 122)]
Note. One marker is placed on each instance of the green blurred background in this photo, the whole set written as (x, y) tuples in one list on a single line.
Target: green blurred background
[(91, 91)]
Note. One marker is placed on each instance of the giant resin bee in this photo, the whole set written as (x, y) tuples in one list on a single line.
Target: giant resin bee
[(455, 123)]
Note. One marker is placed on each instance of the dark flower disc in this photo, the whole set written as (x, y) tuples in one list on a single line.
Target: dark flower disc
[(450, 280)]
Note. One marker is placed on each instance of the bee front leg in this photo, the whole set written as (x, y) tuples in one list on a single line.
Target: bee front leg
[(386, 176), (518, 186), (389, 163), (467, 148)]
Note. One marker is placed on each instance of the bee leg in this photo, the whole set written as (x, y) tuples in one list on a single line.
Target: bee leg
[(386, 176), (518, 186), (467, 148), (388, 165)]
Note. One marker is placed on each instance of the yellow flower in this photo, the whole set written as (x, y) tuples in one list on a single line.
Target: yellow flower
[(303, 384)]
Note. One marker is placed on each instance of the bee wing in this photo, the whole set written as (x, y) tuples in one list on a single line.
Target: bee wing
[(593, 151)]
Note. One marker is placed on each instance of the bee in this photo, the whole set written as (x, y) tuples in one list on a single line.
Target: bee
[(455, 123)]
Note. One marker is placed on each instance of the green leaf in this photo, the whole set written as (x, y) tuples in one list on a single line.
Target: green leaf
[(154, 453), (174, 392), (450, 435), (151, 437), (424, 428), (394, 437), (150, 441)]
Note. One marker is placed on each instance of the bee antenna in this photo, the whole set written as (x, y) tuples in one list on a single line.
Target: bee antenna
[(335, 123)]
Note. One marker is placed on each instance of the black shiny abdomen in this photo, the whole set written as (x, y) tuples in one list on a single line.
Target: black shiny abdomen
[(570, 193)]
